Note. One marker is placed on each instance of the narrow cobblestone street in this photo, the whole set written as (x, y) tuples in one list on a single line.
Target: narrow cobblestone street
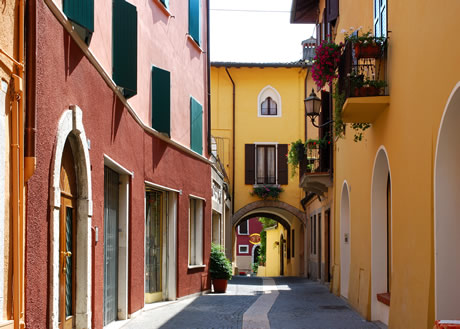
[(283, 302)]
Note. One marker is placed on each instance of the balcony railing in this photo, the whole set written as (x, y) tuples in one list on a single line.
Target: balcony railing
[(317, 160), (362, 80)]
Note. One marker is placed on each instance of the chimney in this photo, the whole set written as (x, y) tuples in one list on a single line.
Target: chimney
[(309, 49)]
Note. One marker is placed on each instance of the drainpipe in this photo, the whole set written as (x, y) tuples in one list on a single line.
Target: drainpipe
[(17, 156), (233, 140), (30, 120), (208, 68)]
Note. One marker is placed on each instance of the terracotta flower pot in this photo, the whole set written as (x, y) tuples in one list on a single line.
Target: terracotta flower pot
[(220, 285), (372, 50)]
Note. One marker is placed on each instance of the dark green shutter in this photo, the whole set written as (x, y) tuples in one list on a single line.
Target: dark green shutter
[(80, 12), (194, 20), (124, 46), (161, 100), (196, 126)]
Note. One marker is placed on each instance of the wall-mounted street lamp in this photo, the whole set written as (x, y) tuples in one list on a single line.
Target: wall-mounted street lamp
[(313, 108)]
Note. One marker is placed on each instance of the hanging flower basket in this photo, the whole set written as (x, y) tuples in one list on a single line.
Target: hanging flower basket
[(327, 57), (368, 50), (267, 192)]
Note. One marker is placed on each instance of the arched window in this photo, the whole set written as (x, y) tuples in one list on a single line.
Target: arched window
[(269, 102), (269, 107)]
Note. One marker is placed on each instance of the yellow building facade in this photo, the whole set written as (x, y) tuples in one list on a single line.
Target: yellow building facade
[(396, 222), (257, 111)]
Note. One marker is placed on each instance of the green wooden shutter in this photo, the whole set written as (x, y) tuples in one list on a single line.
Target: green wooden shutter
[(80, 12), (194, 20), (196, 126), (161, 100), (124, 46)]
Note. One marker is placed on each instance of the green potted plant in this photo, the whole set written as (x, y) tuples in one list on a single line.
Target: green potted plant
[(267, 191), (220, 268), (366, 45)]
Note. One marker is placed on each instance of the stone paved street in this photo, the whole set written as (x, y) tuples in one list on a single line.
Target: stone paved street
[(256, 303)]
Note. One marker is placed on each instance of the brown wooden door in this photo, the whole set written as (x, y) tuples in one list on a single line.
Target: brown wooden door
[(67, 241)]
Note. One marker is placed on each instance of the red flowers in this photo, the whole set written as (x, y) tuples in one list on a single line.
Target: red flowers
[(327, 56)]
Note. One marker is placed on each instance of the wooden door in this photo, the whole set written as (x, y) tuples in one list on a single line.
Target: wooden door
[(153, 246), (67, 241)]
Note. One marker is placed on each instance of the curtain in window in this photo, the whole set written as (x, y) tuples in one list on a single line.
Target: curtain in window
[(269, 107), (271, 177), (260, 165)]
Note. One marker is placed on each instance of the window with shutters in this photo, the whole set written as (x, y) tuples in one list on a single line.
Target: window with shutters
[(81, 14), (161, 100), (266, 164), (196, 232), (243, 228), (196, 126), (269, 102), (380, 18), (194, 20), (124, 47)]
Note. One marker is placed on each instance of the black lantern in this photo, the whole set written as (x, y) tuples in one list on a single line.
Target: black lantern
[(313, 108)]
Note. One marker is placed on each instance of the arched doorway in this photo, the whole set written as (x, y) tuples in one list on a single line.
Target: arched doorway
[(381, 259), (344, 241), (255, 253), (446, 210), (67, 239), (70, 217)]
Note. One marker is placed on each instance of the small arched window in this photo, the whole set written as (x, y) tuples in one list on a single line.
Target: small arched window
[(269, 107), (269, 102)]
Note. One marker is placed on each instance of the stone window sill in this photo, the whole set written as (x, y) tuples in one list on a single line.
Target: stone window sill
[(194, 43), (163, 8)]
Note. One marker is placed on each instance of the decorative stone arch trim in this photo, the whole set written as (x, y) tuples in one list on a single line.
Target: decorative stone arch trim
[(379, 235), (269, 91), (70, 127), (241, 213)]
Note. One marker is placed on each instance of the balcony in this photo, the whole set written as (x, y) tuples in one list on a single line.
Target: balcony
[(362, 80), (316, 169)]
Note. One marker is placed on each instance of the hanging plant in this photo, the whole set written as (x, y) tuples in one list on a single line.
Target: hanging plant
[(327, 57), (296, 152)]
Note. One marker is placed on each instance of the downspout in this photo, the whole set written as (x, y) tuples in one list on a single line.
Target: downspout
[(17, 154), (233, 140), (208, 68)]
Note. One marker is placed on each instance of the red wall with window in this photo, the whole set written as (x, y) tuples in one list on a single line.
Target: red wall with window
[(254, 226)]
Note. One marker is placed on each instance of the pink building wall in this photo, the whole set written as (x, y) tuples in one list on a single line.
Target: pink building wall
[(163, 42), (65, 76)]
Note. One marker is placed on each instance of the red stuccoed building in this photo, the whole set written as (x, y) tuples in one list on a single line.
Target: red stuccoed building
[(118, 209)]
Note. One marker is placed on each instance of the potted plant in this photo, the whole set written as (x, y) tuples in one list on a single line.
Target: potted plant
[(366, 45), (371, 88), (327, 57), (220, 268)]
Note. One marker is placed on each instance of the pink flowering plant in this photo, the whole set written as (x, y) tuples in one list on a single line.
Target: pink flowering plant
[(327, 57), (267, 191)]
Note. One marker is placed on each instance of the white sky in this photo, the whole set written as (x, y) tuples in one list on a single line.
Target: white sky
[(243, 31)]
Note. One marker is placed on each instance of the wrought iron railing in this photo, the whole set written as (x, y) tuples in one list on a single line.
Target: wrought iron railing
[(317, 159), (362, 75)]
